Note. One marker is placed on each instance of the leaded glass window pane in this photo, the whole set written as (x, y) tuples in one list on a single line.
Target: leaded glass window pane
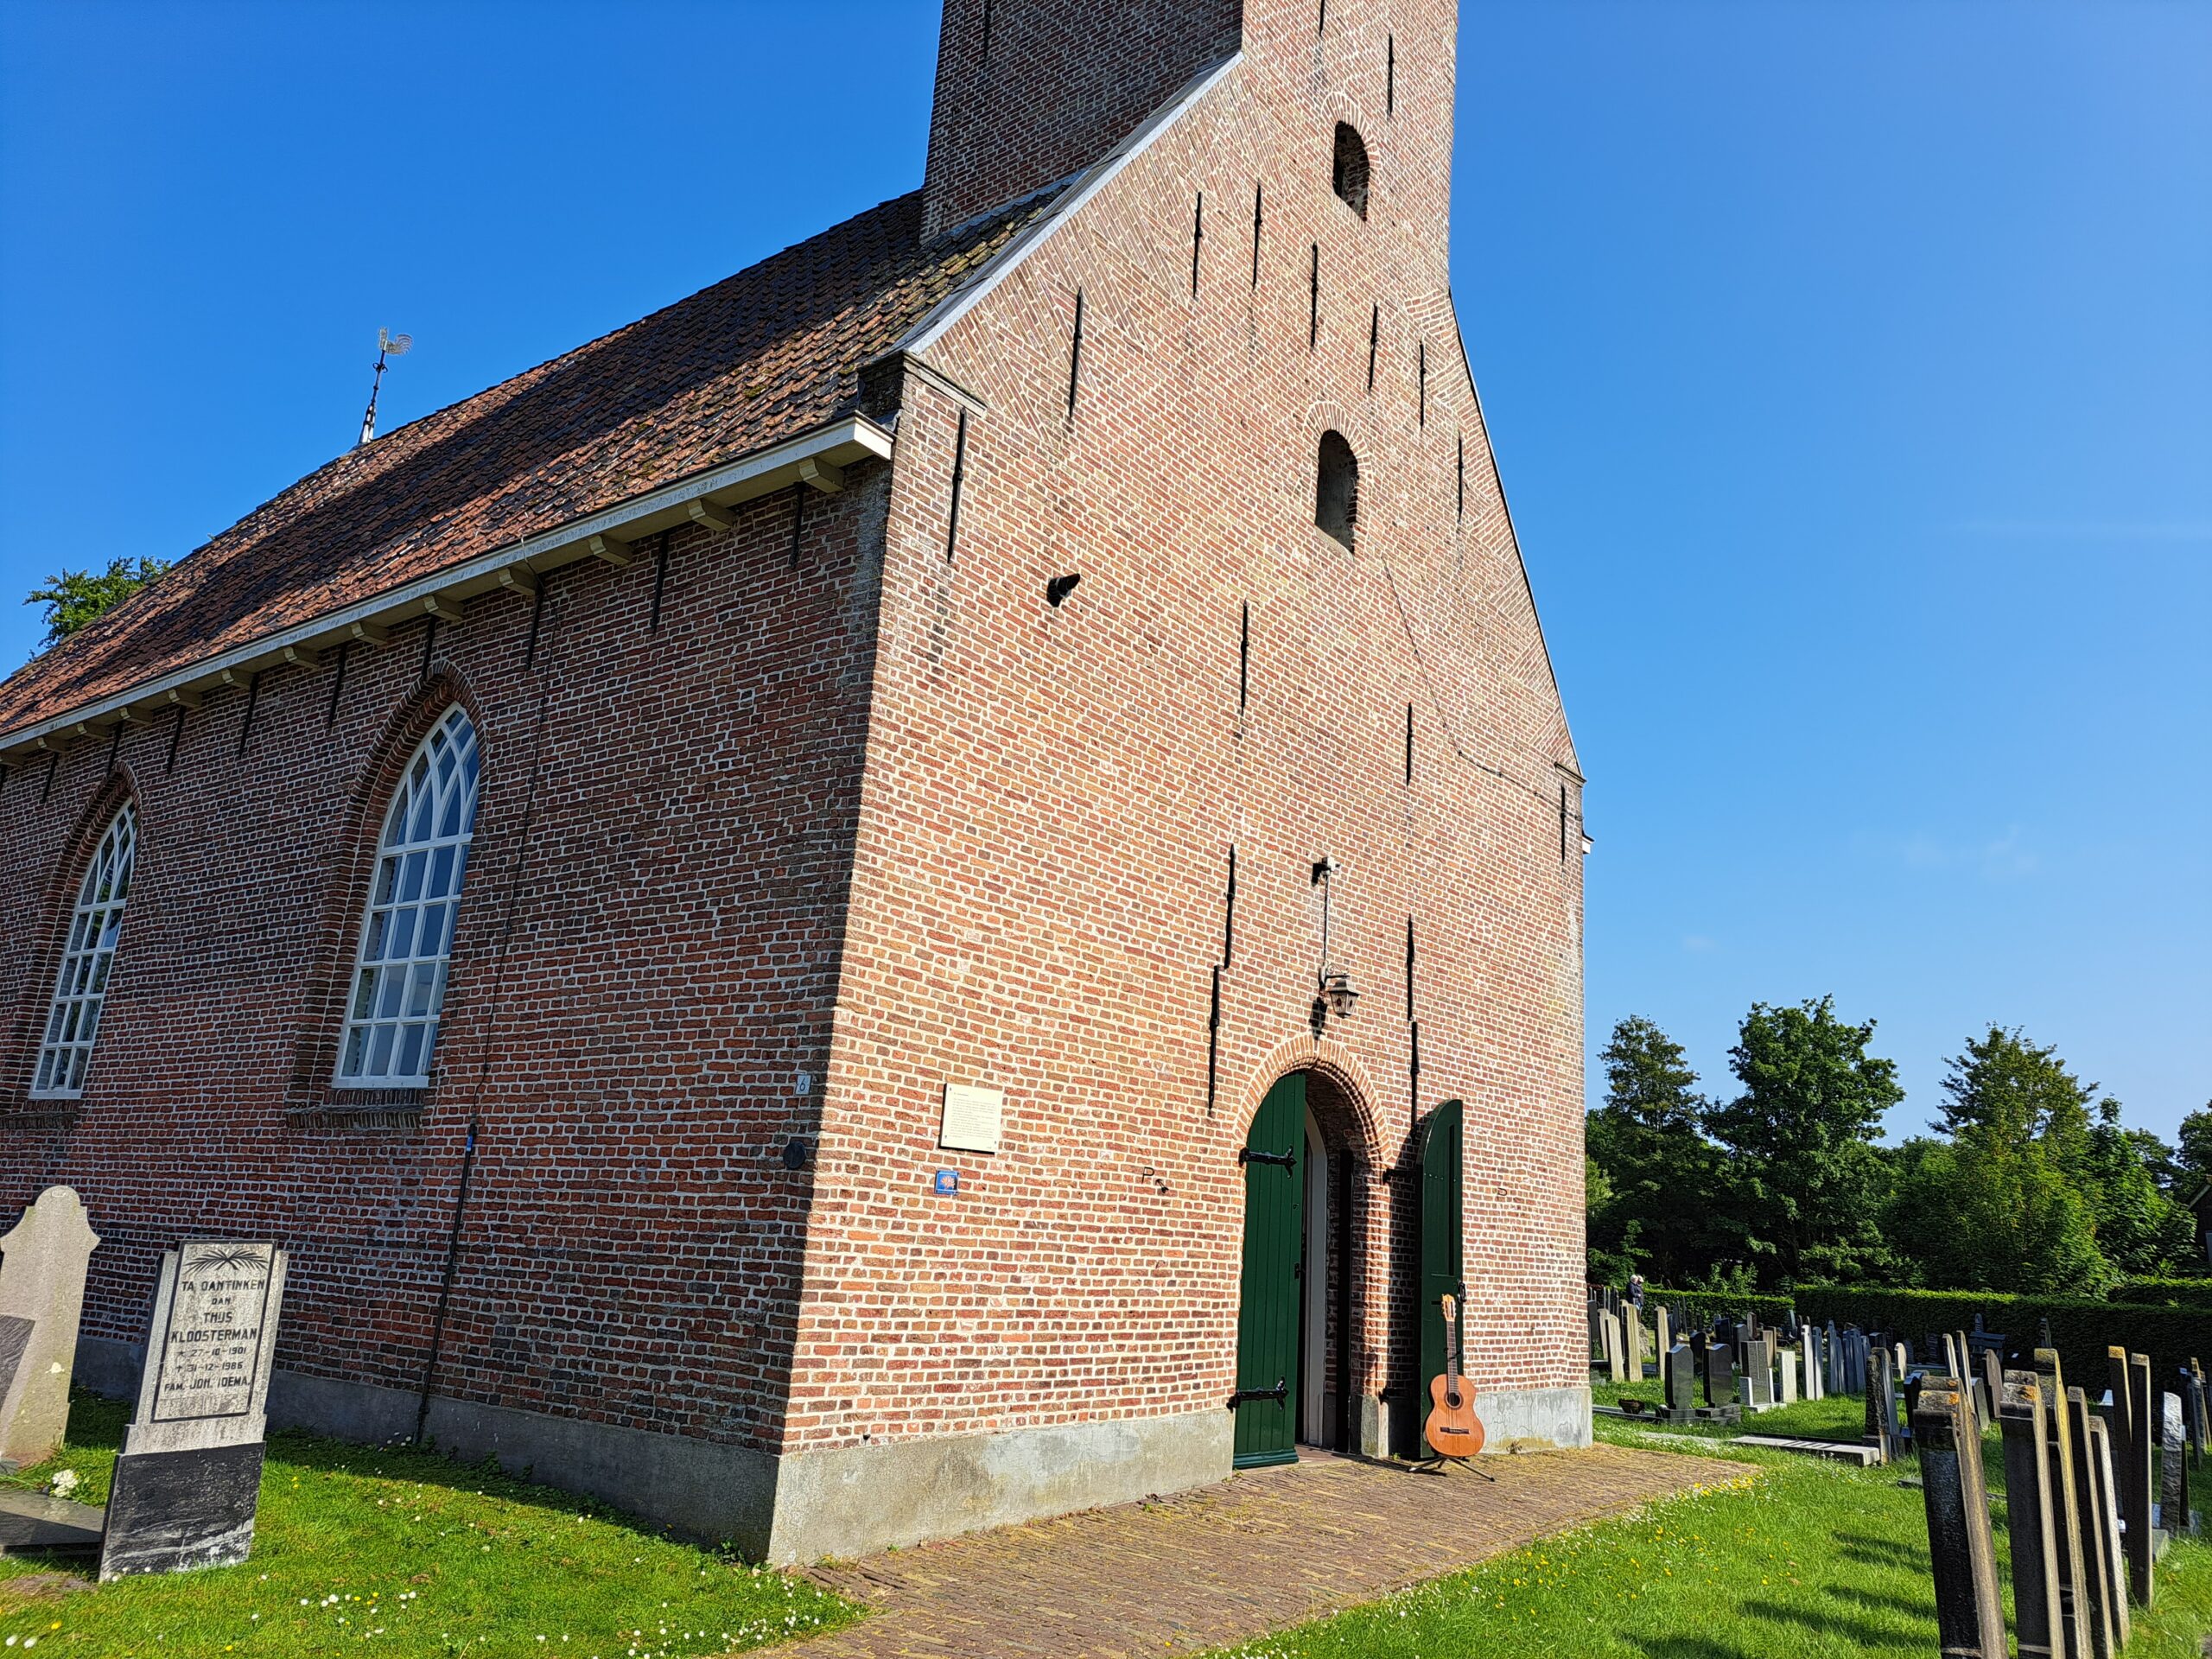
[(399, 966), (80, 983)]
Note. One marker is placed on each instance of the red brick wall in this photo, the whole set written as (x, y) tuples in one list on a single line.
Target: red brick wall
[(1029, 91), (631, 1248), (1052, 793)]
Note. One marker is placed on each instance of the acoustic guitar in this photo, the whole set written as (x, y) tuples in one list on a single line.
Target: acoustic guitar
[(1453, 1429)]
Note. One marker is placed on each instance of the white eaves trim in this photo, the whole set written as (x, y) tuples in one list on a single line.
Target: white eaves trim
[(817, 458), (1078, 194)]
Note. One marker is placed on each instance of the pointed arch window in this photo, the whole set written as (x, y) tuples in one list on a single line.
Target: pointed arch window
[(399, 967), (72, 1020)]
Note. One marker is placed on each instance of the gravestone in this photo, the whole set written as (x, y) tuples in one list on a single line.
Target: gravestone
[(2203, 1406), (2134, 1474), (1969, 1610), (2031, 1518), (1616, 1354), (1719, 1375), (1812, 1362), (1900, 1360), (1680, 1367), (1662, 1339), (2071, 1616), (2173, 1484), (189, 1477), (1786, 1371), (41, 1294), (2099, 1617), (1992, 1385), (2101, 1472), (1758, 1385), (1880, 1427), (1632, 1323), (1832, 1352)]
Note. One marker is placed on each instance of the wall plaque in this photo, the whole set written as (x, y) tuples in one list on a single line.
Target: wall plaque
[(971, 1118)]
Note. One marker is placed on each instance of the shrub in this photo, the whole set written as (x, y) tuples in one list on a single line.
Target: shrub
[(2080, 1329), (2173, 1293)]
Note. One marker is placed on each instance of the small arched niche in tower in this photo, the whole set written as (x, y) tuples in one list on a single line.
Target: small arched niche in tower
[(1350, 171), (1336, 488)]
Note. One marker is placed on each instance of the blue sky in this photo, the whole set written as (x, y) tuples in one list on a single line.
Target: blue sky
[(1850, 366)]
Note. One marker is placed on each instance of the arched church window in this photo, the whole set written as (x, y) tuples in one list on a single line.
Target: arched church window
[(1351, 179), (399, 969), (73, 1018), (1336, 488)]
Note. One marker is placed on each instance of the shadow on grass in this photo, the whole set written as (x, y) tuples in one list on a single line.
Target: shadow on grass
[(1688, 1647), (1880, 1552), (1871, 1637), (1888, 1604), (96, 1427)]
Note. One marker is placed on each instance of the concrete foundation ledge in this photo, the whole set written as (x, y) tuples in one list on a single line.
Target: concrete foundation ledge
[(1535, 1420), (853, 1500)]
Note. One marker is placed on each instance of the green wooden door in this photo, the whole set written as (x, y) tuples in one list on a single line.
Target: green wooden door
[(1442, 1230), (1267, 1311)]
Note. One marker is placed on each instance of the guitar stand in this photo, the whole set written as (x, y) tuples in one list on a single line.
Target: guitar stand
[(1437, 1466)]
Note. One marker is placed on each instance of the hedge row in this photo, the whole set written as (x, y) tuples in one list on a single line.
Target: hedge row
[(2080, 1329), (2173, 1293)]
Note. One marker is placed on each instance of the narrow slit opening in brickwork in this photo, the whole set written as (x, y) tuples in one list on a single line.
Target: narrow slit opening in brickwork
[(1197, 240), (1390, 78), (114, 748), (429, 645), (536, 619), (1075, 354), (660, 580), (1423, 372), (337, 684), (176, 736), (959, 477), (1410, 968), (1336, 489), (1259, 199), (253, 697), (1463, 475), (1228, 912), (983, 56), (1313, 310), (1409, 744), (53, 765), (1244, 658), (1562, 823), (1374, 344), (1213, 1042), (1323, 28), (1350, 171)]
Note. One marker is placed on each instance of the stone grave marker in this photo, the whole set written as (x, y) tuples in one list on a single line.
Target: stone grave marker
[(1616, 1355), (1719, 1375), (1632, 1320), (1662, 1342), (1758, 1388), (1812, 1362), (2072, 1613), (2102, 1473), (1992, 1385), (1681, 1367), (41, 1295), (1969, 1610), (2204, 1405), (1901, 1360), (2098, 1614), (1786, 1372), (2133, 1454), (2031, 1518), (1880, 1427), (1832, 1351), (189, 1477), (2173, 1470)]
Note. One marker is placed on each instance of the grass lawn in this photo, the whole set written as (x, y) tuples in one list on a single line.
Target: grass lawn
[(1838, 1417), (1800, 1556), (356, 1547)]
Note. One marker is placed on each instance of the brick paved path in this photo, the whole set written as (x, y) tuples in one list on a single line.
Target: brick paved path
[(1269, 1548)]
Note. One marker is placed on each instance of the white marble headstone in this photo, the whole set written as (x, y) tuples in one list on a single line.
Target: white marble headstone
[(42, 1296), (210, 1347)]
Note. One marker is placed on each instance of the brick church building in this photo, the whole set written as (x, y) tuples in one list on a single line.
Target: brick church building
[(940, 885)]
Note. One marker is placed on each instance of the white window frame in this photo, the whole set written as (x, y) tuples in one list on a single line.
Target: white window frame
[(395, 996), (80, 984)]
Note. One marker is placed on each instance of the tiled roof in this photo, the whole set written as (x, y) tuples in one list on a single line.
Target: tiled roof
[(764, 356)]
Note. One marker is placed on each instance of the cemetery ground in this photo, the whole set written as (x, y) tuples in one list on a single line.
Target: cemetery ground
[(360, 1548), (368, 1547), (1803, 1555)]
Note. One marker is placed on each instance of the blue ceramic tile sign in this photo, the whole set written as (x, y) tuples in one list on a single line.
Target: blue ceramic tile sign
[(947, 1180)]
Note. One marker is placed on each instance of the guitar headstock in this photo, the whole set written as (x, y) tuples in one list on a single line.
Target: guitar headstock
[(1450, 1304)]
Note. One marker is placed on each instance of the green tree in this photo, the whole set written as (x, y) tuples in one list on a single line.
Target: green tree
[(76, 597), (2006, 1089), (1977, 1214), (2195, 1150), (1807, 1186), (2141, 1230), (1659, 1168)]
